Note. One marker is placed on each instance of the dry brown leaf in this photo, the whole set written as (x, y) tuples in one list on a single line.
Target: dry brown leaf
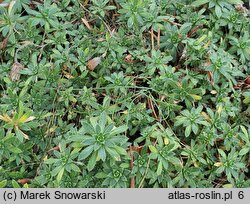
[(100, 40), (24, 181), (25, 136), (112, 32), (247, 80), (151, 106), (132, 180), (67, 75), (171, 22), (11, 5), (128, 59), (136, 149), (15, 69), (29, 119), (86, 2), (240, 85), (207, 63), (243, 84), (207, 44), (3, 44), (210, 77), (5, 118), (66, 72), (93, 63), (86, 23), (242, 9), (195, 29), (56, 148), (2, 4)]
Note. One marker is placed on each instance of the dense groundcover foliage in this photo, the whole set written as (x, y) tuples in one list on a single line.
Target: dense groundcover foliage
[(124, 93)]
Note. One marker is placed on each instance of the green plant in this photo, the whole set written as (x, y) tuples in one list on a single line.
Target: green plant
[(218, 6), (241, 46), (63, 161), (124, 93), (230, 164), (191, 120), (18, 122), (100, 140), (99, 7), (133, 12)]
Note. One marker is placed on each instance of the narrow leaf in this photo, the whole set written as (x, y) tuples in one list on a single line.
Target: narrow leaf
[(92, 162), (60, 174), (199, 2), (3, 183), (153, 149), (86, 152)]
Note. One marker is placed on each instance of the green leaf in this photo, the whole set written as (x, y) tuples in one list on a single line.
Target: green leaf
[(222, 153), (103, 121), (130, 22), (220, 170), (235, 1), (113, 153), (119, 130), (101, 175), (86, 152), (110, 7), (26, 185), (59, 175), (195, 128), (153, 149), (203, 123), (244, 130), (246, 100), (3, 183), (199, 2), (30, 11), (184, 29), (15, 184), (179, 120), (92, 162), (125, 165), (102, 153), (188, 130), (88, 128), (19, 135), (120, 150), (35, 21), (159, 168), (174, 160), (50, 161), (228, 185), (15, 150), (56, 170), (196, 97), (244, 151), (21, 109), (218, 11), (75, 168)]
